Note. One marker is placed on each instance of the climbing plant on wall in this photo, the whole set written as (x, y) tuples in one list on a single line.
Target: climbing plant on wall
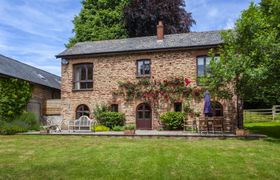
[(14, 96), (155, 92)]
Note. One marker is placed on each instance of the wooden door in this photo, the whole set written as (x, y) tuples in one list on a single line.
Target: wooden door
[(144, 116)]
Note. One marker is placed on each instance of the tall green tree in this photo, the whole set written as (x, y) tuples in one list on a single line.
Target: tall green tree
[(142, 16), (14, 96), (250, 59), (99, 20)]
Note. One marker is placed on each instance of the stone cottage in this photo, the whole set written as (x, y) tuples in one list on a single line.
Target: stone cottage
[(45, 85), (91, 72)]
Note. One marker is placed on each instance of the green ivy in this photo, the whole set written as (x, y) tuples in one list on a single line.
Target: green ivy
[(14, 96)]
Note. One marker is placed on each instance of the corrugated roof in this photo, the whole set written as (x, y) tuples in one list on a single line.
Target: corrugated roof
[(185, 40), (16, 69)]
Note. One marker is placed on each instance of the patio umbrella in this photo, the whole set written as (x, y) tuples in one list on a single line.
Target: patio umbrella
[(207, 104)]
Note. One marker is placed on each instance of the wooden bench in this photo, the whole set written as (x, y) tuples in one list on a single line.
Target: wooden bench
[(82, 122)]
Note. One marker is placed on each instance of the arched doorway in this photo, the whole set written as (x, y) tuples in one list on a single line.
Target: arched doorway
[(217, 108), (143, 116)]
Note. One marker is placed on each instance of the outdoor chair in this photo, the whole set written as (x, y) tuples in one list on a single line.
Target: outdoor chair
[(190, 124), (203, 126), (218, 125), (54, 124), (82, 122)]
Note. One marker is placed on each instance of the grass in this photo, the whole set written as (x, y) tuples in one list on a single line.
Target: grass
[(259, 117), (85, 157), (271, 129)]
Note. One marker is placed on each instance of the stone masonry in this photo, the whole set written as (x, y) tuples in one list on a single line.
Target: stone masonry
[(111, 69)]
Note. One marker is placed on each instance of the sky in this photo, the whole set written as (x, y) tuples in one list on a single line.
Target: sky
[(34, 31)]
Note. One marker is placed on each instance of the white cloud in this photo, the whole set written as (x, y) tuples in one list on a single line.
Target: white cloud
[(216, 14), (35, 31), (230, 24)]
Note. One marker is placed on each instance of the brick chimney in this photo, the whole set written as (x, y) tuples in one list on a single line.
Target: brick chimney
[(160, 31)]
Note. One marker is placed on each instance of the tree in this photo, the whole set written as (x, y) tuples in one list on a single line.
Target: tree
[(99, 20), (14, 96), (141, 17), (250, 59)]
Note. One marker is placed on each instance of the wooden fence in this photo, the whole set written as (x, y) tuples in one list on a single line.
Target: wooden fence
[(52, 107), (262, 115)]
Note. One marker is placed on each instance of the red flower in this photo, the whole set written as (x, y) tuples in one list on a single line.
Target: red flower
[(187, 81)]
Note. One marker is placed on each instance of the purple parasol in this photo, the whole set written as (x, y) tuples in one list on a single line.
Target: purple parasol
[(207, 104)]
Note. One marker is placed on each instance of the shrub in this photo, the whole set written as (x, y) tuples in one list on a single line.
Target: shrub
[(100, 128), (98, 110), (30, 119), (173, 120), (14, 96), (13, 128), (111, 119), (130, 127), (118, 128)]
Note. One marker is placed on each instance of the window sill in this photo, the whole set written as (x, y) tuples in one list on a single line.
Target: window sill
[(143, 76), (81, 90)]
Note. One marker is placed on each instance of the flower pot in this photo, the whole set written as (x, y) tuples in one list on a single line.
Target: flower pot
[(129, 132), (241, 132)]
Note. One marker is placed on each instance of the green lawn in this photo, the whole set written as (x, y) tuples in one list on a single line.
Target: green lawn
[(271, 129), (85, 157)]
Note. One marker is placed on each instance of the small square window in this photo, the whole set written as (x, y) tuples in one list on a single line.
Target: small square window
[(115, 108), (144, 67), (178, 107)]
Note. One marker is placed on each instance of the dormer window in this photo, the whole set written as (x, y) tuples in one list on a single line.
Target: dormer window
[(143, 67), (83, 76)]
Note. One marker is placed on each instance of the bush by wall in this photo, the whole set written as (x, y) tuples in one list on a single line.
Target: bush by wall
[(14, 96), (173, 120), (118, 128), (30, 119), (13, 127), (99, 128), (111, 119)]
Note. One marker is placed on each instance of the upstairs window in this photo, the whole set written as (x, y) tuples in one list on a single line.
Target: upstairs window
[(83, 76), (203, 69), (143, 67)]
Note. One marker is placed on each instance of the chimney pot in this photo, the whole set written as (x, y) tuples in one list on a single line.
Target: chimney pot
[(160, 31)]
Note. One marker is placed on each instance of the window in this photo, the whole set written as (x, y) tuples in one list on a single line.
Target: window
[(144, 67), (115, 108), (83, 76), (203, 63), (82, 110), (178, 107), (217, 108)]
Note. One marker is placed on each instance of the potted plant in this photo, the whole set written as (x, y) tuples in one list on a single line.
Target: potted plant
[(129, 129)]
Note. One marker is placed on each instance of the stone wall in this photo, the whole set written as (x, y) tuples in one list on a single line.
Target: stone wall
[(39, 96), (109, 70)]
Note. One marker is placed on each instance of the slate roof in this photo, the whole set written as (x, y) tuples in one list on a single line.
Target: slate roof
[(150, 43), (13, 68)]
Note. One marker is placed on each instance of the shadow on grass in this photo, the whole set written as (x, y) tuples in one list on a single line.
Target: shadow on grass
[(271, 129)]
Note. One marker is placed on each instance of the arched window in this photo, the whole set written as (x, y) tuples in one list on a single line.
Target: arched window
[(82, 110), (217, 108)]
